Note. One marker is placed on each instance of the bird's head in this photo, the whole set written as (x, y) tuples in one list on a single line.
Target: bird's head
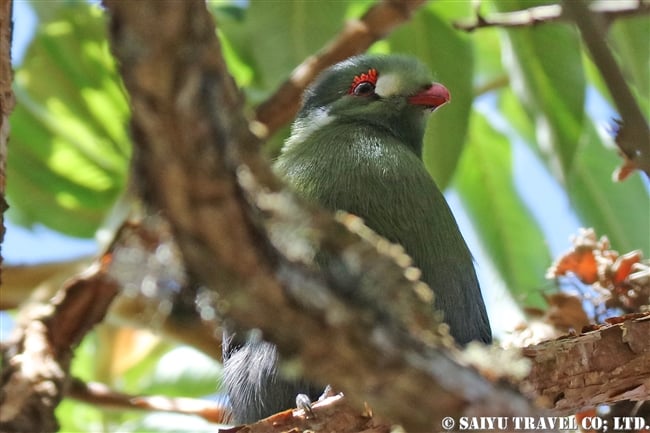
[(391, 92)]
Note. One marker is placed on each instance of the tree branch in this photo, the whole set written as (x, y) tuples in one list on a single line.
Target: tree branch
[(7, 103), (21, 281), (36, 359), (100, 395), (636, 143), (600, 367), (634, 137), (609, 11)]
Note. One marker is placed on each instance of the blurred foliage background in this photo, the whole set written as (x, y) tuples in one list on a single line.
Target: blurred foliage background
[(528, 87)]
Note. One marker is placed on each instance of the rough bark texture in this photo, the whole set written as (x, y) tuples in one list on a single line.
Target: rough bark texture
[(7, 102), (603, 366), (36, 359), (329, 416)]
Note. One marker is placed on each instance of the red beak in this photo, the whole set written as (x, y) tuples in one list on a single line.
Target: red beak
[(432, 97)]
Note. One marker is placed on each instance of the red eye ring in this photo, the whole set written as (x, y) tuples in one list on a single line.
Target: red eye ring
[(364, 84)]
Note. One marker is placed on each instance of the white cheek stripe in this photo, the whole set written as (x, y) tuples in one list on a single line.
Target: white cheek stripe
[(303, 128), (387, 85)]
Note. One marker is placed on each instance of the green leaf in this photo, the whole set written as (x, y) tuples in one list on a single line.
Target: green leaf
[(74, 416), (507, 229), (630, 44), (487, 52), (546, 73), (277, 35), (183, 372), (518, 118), (619, 210), (448, 52), (630, 41), (69, 148), (272, 39), (595, 79)]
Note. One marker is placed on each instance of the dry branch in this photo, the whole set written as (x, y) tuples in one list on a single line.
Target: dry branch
[(609, 11), (144, 250), (19, 282), (99, 394), (604, 366), (636, 144), (7, 102), (332, 415), (36, 359)]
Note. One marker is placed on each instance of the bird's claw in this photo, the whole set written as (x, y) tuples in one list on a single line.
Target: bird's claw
[(304, 402), (327, 392)]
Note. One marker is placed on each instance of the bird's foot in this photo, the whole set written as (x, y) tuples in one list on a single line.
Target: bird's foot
[(304, 402)]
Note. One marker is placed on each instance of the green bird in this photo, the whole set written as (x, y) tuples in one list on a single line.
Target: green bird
[(356, 145)]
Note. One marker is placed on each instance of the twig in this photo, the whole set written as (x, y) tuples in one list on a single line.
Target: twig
[(355, 38), (330, 415), (20, 281), (495, 83), (636, 145), (37, 358), (101, 395), (592, 20), (551, 13)]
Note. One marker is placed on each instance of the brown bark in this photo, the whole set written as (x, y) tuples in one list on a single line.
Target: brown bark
[(633, 139), (7, 103), (604, 366), (36, 358)]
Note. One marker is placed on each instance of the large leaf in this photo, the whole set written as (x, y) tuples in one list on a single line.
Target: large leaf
[(448, 52), (175, 375), (546, 72), (506, 227), (69, 147), (488, 67), (275, 36), (619, 210), (272, 38), (630, 41), (518, 118)]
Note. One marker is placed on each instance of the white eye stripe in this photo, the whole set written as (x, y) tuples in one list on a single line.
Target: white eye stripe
[(387, 85)]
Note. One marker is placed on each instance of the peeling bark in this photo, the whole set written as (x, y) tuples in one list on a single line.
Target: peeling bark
[(604, 366)]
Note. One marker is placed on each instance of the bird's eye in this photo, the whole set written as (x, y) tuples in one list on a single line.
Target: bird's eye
[(365, 88), (364, 84)]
